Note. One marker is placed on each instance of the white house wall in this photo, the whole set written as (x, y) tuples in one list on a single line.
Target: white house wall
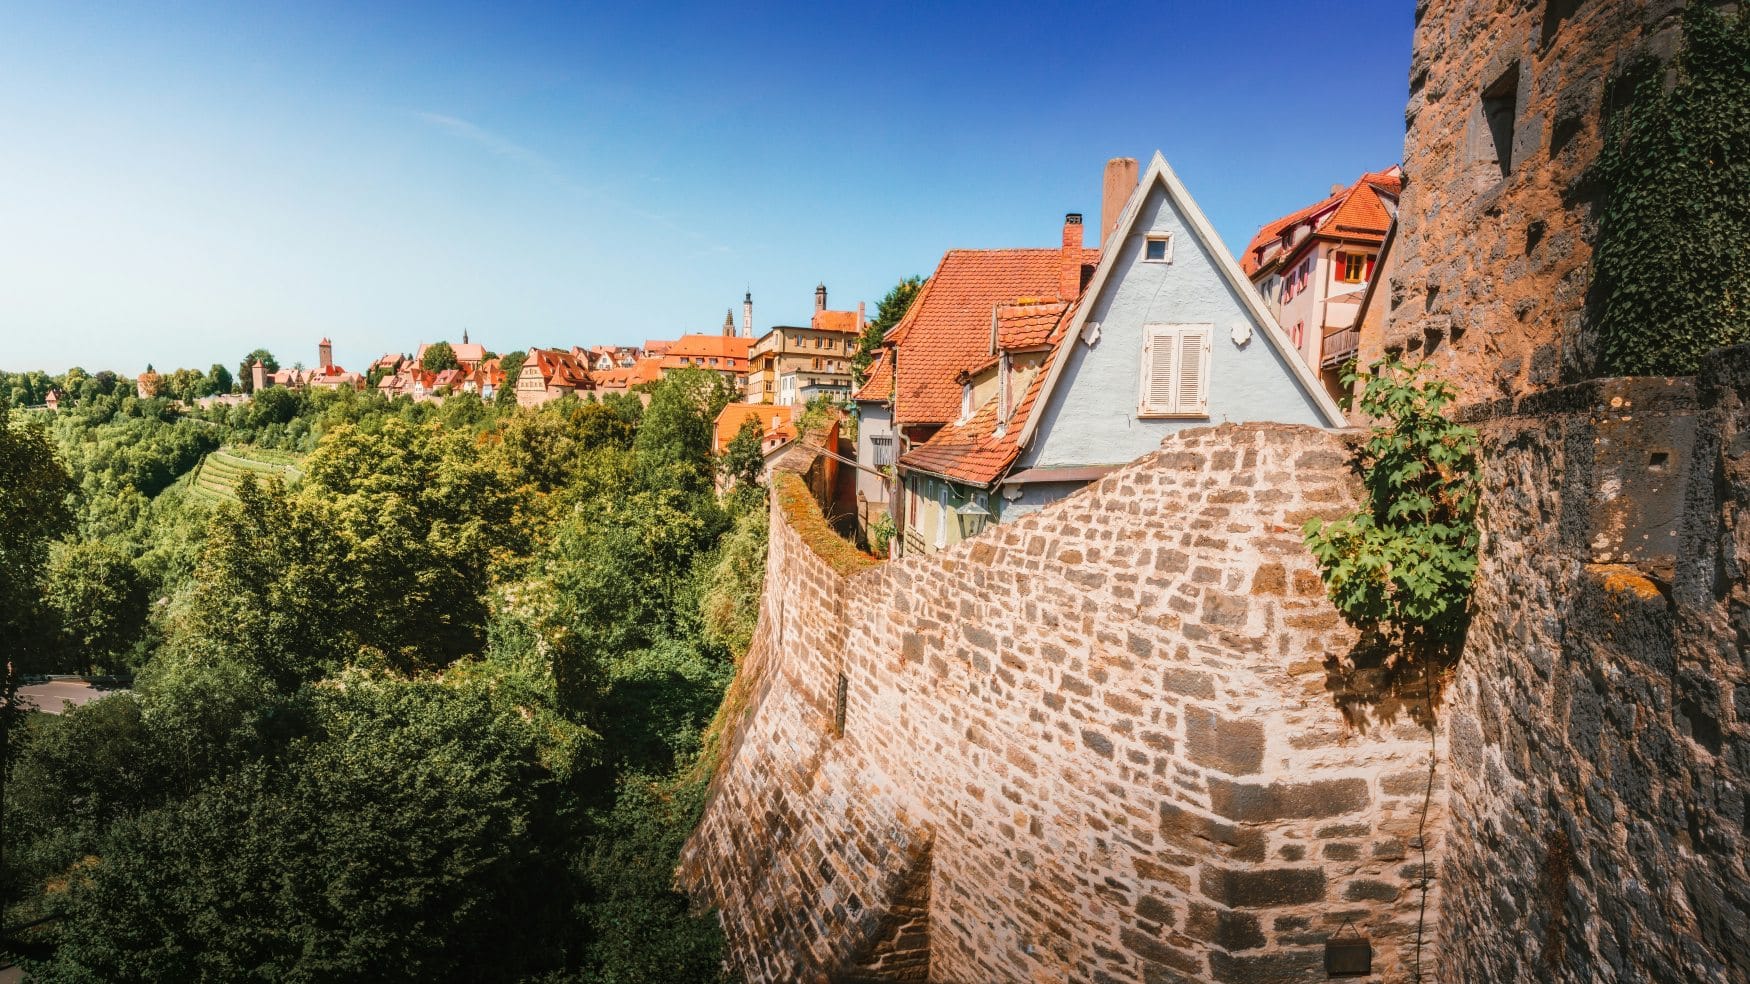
[(1091, 418)]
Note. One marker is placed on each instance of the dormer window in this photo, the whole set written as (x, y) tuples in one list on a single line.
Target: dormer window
[(1158, 249)]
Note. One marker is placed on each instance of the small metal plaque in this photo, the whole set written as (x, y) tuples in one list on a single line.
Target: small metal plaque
[(1351, 957)]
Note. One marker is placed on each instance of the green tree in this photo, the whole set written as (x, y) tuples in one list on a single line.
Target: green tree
[(100, 600), (245, 374), (678, 428), (512, 365), (744, 460), (888, 311), (438, 357), (34, 509), (409, 836), (219, 380)]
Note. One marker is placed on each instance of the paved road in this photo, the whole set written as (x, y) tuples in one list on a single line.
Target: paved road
[(53, 696)]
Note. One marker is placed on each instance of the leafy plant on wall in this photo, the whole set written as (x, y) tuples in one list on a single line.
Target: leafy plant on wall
[(1672, 259), (1403, 564)]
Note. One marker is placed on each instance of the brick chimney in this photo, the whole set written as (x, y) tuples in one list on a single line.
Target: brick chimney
[(747, 314), (1120, 182), (1069, 271), (325, 353), (819, 298), (860, 320)]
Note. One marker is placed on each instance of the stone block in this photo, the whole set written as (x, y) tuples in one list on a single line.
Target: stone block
[(1283, 967), (1190, 683), (1230, 930), (1253, 803), (1262, 888), (1233, 747), (1197, 833)]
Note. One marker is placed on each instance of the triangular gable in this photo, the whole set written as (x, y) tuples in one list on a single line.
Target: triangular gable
[(1262, 320)]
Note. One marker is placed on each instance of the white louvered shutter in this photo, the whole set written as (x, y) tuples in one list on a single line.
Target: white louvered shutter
[(1159, 344), (1192, 396)]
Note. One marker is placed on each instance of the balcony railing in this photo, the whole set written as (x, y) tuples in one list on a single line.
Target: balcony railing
[(1340, 346)]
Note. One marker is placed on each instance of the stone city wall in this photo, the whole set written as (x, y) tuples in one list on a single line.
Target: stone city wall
[(1109, 741), (1599, 724)]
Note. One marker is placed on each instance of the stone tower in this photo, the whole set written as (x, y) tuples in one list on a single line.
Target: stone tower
[(1495, 227), (747, 314), (819, 298), (325, 353), (728, 323)]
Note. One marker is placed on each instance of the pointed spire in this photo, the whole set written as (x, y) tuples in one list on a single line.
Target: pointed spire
[(728, 321), (464, 336)]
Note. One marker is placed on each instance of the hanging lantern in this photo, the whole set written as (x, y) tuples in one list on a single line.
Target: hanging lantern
[(1350, 956)]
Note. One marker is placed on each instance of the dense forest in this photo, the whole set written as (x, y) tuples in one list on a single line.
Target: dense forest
[(434, 702)]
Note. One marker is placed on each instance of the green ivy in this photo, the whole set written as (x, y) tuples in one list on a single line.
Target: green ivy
[(1404, 563), (1672, 258)]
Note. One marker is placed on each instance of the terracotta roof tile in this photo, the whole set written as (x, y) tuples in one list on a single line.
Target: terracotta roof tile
[(729, 350), (947, 328), (560, 368), (845, 321), (1025, 326), (1357, 211), (972, 452), (878, 386), (776, 422)]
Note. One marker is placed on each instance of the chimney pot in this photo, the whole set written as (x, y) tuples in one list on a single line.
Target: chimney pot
[(1337, 190), (1069, 277), (1120, 182)]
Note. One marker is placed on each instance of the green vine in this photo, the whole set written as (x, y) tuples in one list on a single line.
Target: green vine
[(1404, 563), (1672, 259)]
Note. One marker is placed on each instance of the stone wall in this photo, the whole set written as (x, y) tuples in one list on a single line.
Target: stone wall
[(1114, 740), (1599, 723), (1494, 268)]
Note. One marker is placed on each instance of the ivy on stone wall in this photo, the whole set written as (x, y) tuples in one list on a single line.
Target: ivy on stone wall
[(1672, 259), (1403, 564)]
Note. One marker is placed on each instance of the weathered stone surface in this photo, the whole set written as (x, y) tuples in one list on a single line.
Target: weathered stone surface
[(1230, 930), (1233, 747), (1262, 887), (1257, 803)]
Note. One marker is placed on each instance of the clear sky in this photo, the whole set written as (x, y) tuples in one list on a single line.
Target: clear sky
[(181, 183)]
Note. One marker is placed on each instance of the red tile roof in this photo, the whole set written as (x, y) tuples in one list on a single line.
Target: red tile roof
[(1026, 326), (1356, 212), (559, 368), (776, 422), (730, 351), (972, 452), (845, 321), (947, 329), (878, 383)]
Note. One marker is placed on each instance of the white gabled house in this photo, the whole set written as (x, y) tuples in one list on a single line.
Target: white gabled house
[(1169, 334)]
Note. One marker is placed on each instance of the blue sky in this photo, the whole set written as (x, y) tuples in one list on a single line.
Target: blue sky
[(181, 183)]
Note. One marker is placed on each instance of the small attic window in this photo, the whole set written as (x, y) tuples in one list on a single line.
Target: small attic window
[(1158, 249)]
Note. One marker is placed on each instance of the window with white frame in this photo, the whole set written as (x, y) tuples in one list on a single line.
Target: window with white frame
[(1175, 371), (1158, 249)]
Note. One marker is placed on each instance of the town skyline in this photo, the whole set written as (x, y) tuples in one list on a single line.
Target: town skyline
[(587, 176)]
